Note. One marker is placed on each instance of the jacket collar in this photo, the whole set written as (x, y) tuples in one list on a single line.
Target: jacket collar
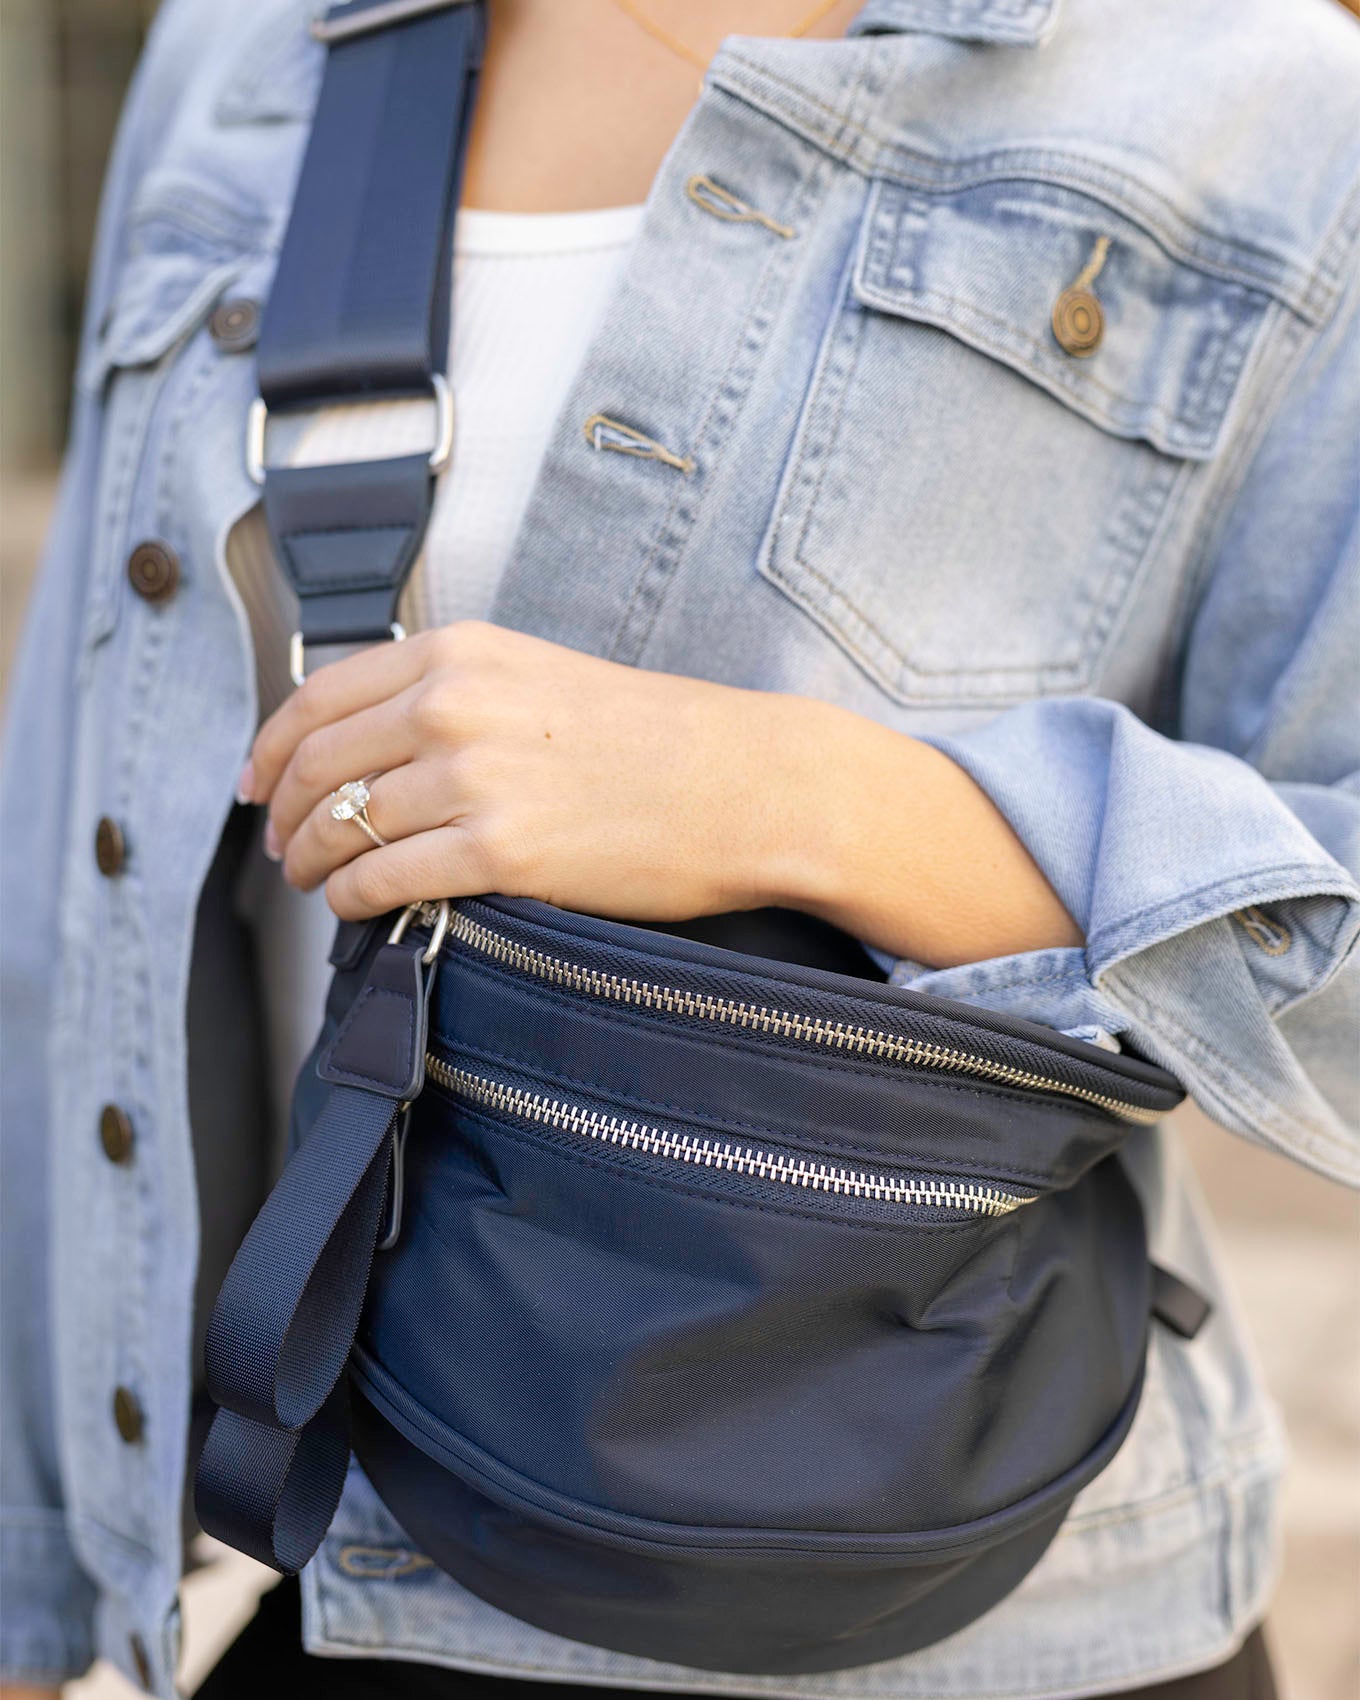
[(1015, 23), (279, 68)]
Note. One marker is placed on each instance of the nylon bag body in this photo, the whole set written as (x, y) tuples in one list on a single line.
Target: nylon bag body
[(742, 1316)]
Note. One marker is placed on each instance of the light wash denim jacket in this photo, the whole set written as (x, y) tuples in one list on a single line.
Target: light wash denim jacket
[(1120, 590)]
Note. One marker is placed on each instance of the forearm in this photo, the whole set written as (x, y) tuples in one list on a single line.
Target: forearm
[(896, 844)]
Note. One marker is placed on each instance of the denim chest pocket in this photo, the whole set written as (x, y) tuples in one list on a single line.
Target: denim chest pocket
[(1014, 381), (185, 247)]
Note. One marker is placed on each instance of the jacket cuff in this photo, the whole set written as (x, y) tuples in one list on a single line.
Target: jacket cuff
[(1215, 920), (46, 1601)]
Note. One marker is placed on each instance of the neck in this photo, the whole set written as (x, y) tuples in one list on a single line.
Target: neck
[(578, 103)]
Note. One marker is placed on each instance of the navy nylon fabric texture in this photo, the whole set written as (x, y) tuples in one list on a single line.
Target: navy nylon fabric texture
[(693, 1406)]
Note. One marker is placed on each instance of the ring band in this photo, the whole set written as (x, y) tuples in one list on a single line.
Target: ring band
[(351, 803)]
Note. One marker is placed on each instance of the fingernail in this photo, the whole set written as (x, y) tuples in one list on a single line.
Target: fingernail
[(272, 848), (245, 785)]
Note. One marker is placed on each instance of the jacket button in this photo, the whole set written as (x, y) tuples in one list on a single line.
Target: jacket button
[(235, 325), (127, 1416), (110, 847), (141, 1661), (1078, 322), (153, 571), (115, 1134)]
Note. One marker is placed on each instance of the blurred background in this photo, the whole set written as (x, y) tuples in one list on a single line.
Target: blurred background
[(1292, 1241)]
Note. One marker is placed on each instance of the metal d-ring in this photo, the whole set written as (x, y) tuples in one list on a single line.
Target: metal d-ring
[(434, 913)]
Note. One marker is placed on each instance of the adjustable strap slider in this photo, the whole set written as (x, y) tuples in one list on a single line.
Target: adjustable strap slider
[(441, 451)]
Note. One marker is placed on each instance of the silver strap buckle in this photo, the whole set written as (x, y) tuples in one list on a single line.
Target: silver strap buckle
[(257, 421), (297, 652)]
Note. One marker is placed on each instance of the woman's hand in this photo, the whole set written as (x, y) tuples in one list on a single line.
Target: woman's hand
[(507, 764), (504, 763)]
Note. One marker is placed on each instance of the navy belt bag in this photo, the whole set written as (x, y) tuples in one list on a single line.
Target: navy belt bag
[(691, 1301)]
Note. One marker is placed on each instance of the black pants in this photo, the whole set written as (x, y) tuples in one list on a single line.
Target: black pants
[(267, 1662)]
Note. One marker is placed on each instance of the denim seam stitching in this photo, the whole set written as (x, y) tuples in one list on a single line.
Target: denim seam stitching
[(677, 524), (1107, 942), (1002, 349), (1257, 1109), (1297, 289)]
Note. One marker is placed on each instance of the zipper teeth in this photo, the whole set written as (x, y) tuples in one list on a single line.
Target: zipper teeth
[(813, 1030), (524, 1105)]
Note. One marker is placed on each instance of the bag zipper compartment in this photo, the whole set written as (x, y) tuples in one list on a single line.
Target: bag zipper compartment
[(500, 946), (768, 1171)]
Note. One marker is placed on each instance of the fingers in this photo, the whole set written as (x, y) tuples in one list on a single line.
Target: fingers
[(377, 739), (403, 802), (332, 693), (441, 863)]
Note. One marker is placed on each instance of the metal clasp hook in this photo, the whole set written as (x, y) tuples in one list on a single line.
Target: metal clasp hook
[(435, 913)]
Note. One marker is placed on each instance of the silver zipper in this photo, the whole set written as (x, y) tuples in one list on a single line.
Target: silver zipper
[(732, 1012), (523, 1105)]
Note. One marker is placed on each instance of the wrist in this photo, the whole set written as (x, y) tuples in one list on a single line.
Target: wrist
[(794, 799), (885, 837)]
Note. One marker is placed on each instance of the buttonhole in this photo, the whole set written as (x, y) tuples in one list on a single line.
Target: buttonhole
[(1094, 266), (722, 203), (601, 432), (381, 1564), (1273, 937)]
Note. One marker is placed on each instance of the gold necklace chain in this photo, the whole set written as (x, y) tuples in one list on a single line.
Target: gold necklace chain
[(683, 51)]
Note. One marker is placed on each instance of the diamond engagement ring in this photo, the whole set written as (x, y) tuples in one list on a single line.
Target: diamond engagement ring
[(351, 803)]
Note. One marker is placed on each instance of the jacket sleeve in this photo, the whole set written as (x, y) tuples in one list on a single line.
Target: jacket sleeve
[(46, 1601), (1215, 873)]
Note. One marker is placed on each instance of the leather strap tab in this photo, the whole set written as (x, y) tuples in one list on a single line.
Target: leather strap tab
[(1177, 1304), (347, 538), (380, 1046)]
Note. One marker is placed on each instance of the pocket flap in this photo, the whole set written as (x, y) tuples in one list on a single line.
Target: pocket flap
[(989, 263), (184, 247)]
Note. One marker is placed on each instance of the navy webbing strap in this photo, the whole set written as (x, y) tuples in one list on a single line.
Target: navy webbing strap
[(359, 309), (359, 306), (272, 1469)]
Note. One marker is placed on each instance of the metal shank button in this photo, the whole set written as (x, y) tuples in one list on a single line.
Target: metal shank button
[(110, 847), (127, 1416), (1078, 322), (115, 1133), (235, 325), (153, 571)]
